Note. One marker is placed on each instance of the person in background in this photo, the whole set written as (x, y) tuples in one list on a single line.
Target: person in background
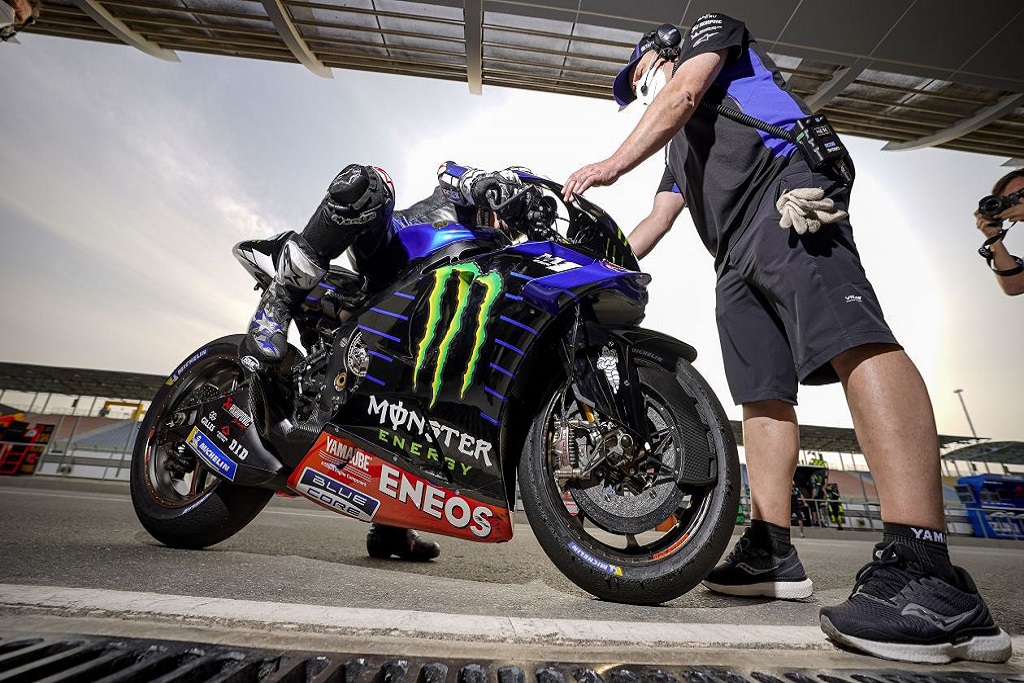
[(798, 505), (835, 505), (818, 505), (17, 15), (1009, 269)]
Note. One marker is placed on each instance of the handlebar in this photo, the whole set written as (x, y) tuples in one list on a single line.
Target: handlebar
[(529, 212)]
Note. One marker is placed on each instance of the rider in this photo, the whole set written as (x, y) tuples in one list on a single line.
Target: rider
[(357, 214)]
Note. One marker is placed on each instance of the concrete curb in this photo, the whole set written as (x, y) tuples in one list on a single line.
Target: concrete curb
[(403, 623)]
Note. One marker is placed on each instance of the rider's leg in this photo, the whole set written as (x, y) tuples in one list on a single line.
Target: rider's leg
[(298, 271), (359, 201)]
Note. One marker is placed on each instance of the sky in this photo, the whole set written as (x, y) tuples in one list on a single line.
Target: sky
[(126, 180)]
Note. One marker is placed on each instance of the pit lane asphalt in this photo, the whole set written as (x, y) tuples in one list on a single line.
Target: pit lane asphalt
[(74, 559)]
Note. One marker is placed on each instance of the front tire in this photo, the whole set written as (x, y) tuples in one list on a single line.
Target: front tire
[(178, 500), (645, 561)]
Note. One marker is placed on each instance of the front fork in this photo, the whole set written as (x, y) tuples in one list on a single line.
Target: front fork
[(605, 386)]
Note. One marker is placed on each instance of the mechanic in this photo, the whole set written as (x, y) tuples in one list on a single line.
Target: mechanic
[(1008, 193), (357, 214), (794, 306)]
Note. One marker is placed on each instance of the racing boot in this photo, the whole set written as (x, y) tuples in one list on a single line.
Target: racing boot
[(384, 541), (298, 271), (358, 204)]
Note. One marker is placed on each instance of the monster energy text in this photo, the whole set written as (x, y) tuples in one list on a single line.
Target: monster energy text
[(418, 450), (398, 417)]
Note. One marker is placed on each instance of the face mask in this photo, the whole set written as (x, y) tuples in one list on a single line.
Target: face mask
[(652, 83)]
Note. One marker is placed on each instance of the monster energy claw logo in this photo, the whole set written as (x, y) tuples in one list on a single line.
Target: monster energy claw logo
[(467, 278)]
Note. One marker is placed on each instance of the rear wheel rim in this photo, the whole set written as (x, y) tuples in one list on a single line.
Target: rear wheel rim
[(174, 476)]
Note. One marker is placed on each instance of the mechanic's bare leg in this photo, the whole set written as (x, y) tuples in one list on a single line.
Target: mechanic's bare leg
[(771, 441), (893, 419)]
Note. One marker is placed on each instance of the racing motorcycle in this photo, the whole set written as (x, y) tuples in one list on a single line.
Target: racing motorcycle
[(490, 361)]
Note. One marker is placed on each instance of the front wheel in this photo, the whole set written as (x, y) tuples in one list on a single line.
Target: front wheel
[(624, 526), (179, 501)]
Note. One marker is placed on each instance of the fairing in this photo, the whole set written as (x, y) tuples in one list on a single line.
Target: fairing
[(424, 376)]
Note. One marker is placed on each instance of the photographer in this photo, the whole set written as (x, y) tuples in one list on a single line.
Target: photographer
[(1006, 203), (16, 15)]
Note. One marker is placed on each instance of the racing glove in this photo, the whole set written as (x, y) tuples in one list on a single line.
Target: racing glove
[(468, 186)]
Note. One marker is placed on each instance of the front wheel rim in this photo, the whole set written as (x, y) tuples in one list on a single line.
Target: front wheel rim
[(648, 547)]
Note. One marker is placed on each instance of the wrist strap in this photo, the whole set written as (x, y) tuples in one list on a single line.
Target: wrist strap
[(984, 250), (987, 254)]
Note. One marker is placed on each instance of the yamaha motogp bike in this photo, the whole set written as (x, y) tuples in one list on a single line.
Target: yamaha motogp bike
[(490, 362)]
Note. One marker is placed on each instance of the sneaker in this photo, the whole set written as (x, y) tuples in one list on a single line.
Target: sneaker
[(751, 570), (899, 610), (384, 541)]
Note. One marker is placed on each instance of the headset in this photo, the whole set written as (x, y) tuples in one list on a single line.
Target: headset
[(665, 41)]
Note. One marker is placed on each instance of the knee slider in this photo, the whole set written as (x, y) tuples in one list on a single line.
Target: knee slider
[(349, 185), (359, 189)]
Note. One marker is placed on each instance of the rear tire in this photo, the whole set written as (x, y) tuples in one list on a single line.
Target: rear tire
[(178, 500), (672, 555)]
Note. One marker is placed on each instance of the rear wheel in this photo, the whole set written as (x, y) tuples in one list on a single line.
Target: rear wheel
[(179, 501), (625, 527)]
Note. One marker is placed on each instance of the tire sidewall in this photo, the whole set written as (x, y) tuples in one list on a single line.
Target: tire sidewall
[(220, 512)]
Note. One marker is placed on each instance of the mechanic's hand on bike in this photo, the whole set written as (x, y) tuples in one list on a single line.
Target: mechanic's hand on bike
[(602, 173)]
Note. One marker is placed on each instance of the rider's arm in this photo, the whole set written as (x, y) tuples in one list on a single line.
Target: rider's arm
[(648, 232)]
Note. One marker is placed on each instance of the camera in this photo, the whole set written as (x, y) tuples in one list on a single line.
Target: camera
[(993, 205)]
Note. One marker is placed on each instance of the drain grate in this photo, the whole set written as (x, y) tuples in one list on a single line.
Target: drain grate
[(94, 659)]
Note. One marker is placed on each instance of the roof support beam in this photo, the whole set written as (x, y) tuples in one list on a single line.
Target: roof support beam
[(843, 77), (473, 15), (963, 126), (120, 30), (291, 37)]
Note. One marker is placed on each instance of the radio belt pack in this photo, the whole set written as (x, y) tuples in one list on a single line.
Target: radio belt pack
[(813, 135)]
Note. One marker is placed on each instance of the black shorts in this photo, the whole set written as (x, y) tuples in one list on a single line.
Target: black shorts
[(788, 304)]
